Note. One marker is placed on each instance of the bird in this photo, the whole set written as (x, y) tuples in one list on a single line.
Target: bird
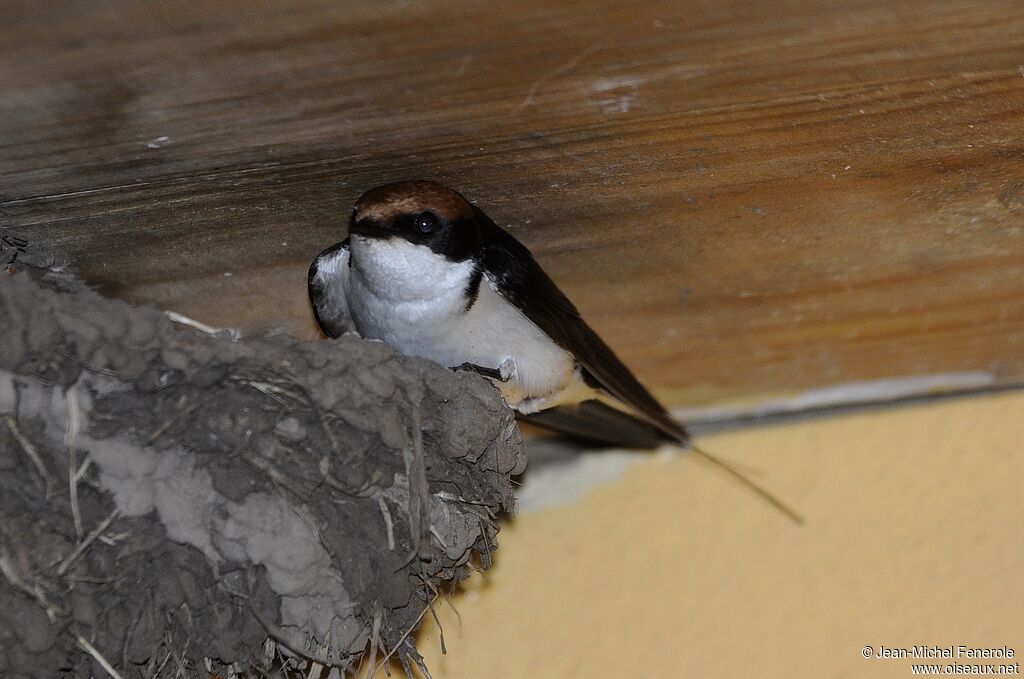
[(426, 271)]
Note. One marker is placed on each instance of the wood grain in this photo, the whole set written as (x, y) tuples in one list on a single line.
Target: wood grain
[(744, 198)]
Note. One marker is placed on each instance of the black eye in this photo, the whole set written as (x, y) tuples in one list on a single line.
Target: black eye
[(425, 223)]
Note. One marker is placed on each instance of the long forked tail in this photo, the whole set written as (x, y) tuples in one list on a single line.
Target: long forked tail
[(758, 490), (597, 422)]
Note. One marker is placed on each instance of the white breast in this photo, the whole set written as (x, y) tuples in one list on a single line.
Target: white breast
[(415, 300)]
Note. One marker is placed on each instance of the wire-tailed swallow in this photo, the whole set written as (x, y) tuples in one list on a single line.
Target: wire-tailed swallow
[(429, 273)]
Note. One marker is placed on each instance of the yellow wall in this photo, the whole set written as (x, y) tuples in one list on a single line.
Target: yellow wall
[(913, 536)]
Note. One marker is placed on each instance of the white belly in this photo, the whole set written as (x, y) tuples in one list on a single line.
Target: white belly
[(492, 333)]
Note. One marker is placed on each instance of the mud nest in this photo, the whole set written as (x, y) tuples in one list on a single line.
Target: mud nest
[(175, 504)]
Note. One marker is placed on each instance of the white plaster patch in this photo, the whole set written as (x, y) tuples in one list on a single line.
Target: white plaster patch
[(620, 93), (564, 483), (609, 84)]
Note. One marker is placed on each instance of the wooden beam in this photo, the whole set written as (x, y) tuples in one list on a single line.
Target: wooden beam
[(745, 198)]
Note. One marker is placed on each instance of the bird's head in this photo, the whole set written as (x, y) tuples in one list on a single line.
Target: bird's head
[(421, 212), (412, 239)]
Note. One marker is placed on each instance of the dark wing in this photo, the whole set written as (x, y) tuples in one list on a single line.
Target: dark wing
[(326, 282), (520, 279)]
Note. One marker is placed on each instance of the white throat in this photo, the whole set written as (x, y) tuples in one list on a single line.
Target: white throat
[(398, 271)]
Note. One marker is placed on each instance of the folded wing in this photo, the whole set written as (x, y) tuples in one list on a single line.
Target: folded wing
[(326, 282), (520, 279)]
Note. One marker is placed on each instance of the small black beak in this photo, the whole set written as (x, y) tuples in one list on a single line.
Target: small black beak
[(369, 228)]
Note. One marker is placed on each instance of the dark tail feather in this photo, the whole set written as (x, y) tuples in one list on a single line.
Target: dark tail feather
[(598, 423), (757, 489)]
